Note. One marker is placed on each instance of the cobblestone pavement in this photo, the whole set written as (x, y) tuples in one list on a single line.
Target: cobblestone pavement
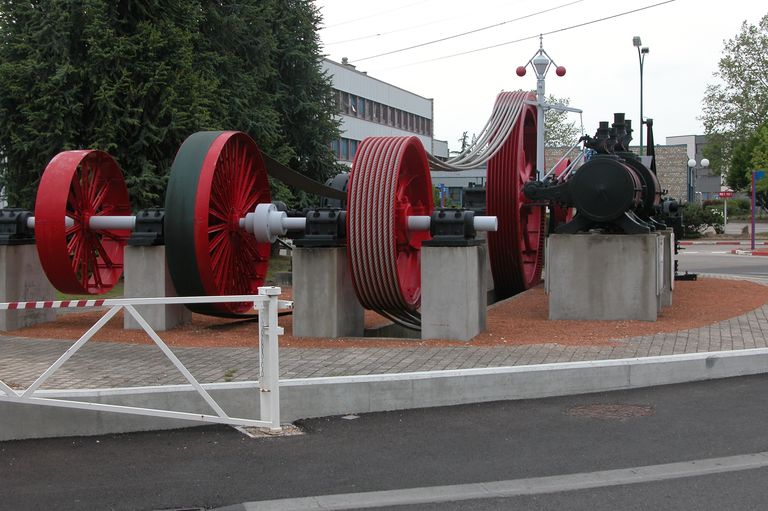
[(100, 365)]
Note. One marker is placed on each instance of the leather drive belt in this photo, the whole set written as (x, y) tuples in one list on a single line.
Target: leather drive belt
[(300, 181)]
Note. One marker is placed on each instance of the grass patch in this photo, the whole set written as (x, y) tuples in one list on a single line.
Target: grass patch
[(115, 292), (278, 264)]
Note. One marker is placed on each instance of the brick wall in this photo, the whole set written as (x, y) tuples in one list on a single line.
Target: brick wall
[(671, 167)]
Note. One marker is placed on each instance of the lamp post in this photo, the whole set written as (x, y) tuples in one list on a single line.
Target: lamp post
[(692, 177), (641, 53), (541, 62)]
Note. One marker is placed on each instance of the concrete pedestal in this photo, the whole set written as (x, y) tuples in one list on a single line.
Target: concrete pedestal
[(604, 277), (324, 299), (490, 291), (453, 292), (146, 276), (21, 280), (668, 264)]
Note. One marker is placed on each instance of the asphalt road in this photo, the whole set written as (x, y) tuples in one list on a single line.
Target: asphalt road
[(429, 449), (719, 260)]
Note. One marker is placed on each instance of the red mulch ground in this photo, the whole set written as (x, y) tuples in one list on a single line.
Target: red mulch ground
[(518, 320)]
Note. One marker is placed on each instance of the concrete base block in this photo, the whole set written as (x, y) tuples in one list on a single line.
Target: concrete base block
[(490, 290), (604, 277), (22, 279), (668, 264), (146, 276), (453, 292), (325, 303)]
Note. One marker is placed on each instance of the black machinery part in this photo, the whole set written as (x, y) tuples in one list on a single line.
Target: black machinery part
[(13, 227), (604, 188), (149, 229), (339, 182), (451, 227), (325, 227)]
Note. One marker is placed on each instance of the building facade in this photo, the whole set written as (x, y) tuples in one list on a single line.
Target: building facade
[(702, 182), (370, 107)]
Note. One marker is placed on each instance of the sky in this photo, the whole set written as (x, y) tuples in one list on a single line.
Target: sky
[(685, 39)]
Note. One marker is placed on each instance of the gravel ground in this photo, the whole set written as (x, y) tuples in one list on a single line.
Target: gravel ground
[(519, 320)]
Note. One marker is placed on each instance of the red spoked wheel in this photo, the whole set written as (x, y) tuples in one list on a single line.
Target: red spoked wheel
[(517, 249), (216, 179), (81, 185), (389, 182), (559, 214)]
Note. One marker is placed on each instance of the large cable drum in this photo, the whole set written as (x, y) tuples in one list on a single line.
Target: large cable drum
[(517, 249), (389, 182), (216, 179)]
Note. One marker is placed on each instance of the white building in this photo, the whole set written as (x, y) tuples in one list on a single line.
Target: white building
[(370, 107)]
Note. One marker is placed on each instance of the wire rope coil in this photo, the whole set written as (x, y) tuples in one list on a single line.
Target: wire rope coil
[(516, 250), (504, 116), (389, 181)]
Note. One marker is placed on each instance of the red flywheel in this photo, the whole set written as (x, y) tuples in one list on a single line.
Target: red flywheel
[(76, 186), (217, 178)]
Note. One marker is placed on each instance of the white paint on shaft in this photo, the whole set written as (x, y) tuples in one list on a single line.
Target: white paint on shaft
[(97, 222), (486, 223), (294, 223), (267, 223), (481, 223), (418, 223)]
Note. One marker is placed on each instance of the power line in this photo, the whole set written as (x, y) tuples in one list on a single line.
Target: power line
[(536, 35), (467, 33)]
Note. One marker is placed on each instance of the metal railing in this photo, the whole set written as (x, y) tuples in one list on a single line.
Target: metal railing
[(267, 305)]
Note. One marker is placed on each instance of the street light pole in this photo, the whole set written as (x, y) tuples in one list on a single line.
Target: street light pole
[(641, 53), (692, 177)]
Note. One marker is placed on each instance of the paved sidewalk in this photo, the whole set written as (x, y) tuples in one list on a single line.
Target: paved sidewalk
[(101, 365)]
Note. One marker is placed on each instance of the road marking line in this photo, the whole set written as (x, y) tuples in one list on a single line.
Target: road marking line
[(513, 487)]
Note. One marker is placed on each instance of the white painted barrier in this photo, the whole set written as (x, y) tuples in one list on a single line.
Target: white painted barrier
[(267, 304)]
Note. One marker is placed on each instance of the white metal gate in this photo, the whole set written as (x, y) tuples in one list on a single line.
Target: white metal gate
[(267, 304)]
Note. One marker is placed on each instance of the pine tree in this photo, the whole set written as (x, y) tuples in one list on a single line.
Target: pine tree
[(136, 77)]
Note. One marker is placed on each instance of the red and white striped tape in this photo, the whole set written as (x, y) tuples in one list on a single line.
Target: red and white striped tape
[(52, 304)]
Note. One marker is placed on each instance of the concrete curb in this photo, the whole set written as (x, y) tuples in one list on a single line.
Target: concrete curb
[(750, 252), (715, 242), (317, 397)]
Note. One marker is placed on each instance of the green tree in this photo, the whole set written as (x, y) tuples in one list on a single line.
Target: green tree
[(464, 143), (559, 131), (136, 77), (736, 106)]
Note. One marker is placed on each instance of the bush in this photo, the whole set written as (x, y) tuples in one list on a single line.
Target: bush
[(697, 219)]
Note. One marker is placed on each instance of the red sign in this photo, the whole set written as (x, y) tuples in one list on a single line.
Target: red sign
[(726, 195)]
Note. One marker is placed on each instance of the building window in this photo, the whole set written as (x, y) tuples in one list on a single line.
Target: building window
[(357, 106), (344, 149)]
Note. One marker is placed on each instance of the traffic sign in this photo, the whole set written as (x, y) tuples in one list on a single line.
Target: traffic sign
[(726, 194)]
